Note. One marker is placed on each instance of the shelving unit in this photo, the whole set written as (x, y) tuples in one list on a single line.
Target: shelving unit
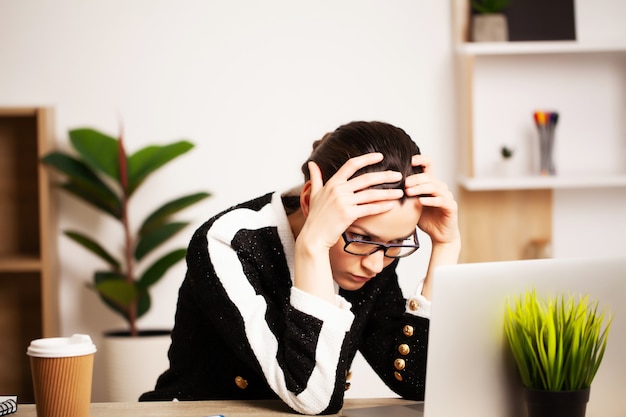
[(505, 216), (536, 48), (28, 307), (539, 182)]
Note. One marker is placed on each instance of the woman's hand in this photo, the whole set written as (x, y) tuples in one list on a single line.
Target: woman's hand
[(329, 209), (334, 206), (439, 217)]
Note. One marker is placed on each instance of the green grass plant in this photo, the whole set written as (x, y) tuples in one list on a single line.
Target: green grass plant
[(490, 6), (557, 342)]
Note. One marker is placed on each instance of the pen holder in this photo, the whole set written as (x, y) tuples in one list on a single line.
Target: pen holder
[(546, 125)]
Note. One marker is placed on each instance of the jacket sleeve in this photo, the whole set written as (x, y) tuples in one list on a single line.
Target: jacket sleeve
[(292, 338)]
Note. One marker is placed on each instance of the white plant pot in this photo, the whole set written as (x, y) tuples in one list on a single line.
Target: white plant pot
[(133, 364), (505, 167), (490, 28)]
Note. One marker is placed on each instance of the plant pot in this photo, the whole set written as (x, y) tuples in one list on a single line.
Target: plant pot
[(133, 364), (490, 28), (505, 168), (557, 403)]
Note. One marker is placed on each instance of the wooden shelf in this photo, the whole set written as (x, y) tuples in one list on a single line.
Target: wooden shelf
[(28, 286), (20, 264), (541, 182), (539, 47)]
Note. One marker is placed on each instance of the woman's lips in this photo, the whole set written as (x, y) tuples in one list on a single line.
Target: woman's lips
[(359, 278)]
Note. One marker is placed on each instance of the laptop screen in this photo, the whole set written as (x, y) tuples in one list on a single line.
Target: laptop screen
[(470, 371)]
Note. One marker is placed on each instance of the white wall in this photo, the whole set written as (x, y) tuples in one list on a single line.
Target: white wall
[(592, 222), (251, 83)]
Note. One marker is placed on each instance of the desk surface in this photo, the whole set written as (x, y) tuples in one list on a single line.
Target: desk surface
[(269, 408)]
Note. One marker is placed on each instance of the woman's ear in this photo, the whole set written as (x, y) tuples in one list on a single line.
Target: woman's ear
[(305, 198)]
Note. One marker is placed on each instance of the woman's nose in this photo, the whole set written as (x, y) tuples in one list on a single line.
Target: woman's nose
[(374, 262)]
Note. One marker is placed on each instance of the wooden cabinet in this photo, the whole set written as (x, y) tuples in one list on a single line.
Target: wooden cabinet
[(507, 216), (28, 288)]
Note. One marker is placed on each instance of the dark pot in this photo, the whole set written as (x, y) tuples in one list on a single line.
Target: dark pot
[(557, 403), (141, 333)]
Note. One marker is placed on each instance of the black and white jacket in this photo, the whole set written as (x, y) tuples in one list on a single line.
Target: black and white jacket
[(243, 332)]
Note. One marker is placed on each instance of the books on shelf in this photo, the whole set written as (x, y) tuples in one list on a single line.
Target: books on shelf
[(8, 404)]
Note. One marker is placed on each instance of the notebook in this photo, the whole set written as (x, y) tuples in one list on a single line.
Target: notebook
[(470, 372), (8, 404)]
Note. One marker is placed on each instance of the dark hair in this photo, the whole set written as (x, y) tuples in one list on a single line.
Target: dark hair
[(359, 138)]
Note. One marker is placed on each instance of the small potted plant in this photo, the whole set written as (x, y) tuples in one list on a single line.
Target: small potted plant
[(100, 173), (489, 24), (557, 344), (505, 165), (506, 152)]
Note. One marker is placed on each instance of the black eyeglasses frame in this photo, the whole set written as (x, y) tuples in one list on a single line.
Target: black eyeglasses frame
[(380, 246)]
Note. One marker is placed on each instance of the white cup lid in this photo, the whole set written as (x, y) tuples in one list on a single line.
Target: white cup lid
[(61, 347)]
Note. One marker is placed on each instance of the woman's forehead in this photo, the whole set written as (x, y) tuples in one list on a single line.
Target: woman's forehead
[(399, 222)]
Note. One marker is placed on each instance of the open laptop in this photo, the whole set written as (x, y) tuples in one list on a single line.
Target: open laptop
[(470, 372)]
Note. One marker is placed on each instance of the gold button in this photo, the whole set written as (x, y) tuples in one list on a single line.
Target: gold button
[(398, 375), (408, 330), (399, 364), (241, 383), (414, 304), (347, 386), (404, 349)]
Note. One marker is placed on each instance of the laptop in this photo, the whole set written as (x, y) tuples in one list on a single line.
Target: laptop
[(470, 372)]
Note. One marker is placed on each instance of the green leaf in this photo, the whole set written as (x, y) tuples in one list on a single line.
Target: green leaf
[(103, 276), (156, 237), (71, 167), (119, 294), (84, 183), (118, 291), (98, 150), (94, 247), (489, 6), (93, 197), (155, 272), (144, 302), (149, 159), (162, 214)]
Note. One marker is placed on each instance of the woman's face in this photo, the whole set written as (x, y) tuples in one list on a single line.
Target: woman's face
[(351, 272)]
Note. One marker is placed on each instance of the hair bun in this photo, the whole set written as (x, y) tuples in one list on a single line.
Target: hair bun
[(320, 141)]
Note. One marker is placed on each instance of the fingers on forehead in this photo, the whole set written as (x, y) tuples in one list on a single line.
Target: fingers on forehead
[(356, 163), (422, 160), (372, 179)]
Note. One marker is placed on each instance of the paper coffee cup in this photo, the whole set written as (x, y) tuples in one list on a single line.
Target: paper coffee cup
[(62, 370)]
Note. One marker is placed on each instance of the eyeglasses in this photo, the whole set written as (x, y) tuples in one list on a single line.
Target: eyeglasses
[(359, 247)]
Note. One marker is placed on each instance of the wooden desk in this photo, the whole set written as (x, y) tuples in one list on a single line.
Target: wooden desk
[(268, 408)]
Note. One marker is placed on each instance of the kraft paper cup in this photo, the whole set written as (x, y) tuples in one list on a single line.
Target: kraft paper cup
[(62, 370)]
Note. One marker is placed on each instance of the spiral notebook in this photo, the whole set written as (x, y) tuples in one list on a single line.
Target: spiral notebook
[(8, 404)]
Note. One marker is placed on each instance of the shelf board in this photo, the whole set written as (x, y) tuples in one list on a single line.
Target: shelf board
[(537, 47), (20, 263), (17, 111), (541, 182)]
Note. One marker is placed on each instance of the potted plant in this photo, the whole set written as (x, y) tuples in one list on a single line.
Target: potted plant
[(505, 165), (557, 344), (100, 173), (489, 24), (506, 152)]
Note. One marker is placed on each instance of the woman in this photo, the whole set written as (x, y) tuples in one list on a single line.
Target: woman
[(282, 291)]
